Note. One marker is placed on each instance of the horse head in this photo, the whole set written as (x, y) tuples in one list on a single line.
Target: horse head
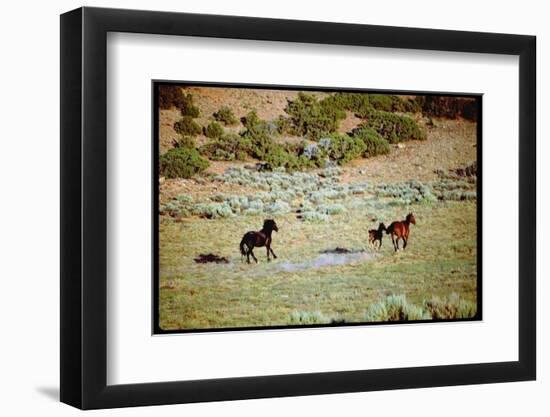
[(410, 218), (381, 227), (270, 224)]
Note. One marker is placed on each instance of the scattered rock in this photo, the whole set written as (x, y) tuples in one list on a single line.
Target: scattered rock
[(260, 167)]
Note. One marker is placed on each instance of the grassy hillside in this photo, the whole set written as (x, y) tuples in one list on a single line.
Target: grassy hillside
[(326, 271)]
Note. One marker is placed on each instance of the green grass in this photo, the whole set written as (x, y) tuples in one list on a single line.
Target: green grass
[(439, 261)]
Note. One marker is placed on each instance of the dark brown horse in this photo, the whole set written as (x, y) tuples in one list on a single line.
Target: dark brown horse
[(253, 239), (377, 234), (399, 230)]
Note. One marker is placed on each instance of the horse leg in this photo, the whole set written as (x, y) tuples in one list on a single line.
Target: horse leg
[(397, 244), (379, 244), (406, 238), (248, 255), (404, 242), (252, 253), (267, 249), (273, 253), (393, 241)]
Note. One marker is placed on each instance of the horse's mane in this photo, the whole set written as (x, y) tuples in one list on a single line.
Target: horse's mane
[(268, 225)]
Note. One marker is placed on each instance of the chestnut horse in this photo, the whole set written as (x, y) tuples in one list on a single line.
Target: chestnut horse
[(258, 239), (399, 230), (377, 234)]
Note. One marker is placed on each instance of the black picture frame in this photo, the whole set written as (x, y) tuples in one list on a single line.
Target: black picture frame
[(84, 208)]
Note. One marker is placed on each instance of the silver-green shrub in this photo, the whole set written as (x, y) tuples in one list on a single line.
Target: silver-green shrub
[(395, 308), (314, 217), (308, 317)]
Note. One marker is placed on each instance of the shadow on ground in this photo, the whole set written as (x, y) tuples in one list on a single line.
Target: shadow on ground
[(50, 392)]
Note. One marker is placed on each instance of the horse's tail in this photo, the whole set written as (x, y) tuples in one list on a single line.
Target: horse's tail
[(389, 229), (241, 246)]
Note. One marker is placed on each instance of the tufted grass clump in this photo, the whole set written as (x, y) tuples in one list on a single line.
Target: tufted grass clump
[(187, 126), (452, 307), (226, 116), (395, 308), (308, 317), (182, 163), (393, 127)]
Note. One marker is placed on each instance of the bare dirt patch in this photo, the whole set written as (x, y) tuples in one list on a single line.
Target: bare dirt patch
[(349, 123), (456, 139), (167, 134), (326, 259), (205, 258)]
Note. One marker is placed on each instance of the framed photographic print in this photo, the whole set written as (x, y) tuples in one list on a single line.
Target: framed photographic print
[(257, 208)]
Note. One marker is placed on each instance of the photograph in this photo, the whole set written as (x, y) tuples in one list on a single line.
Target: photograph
[(290, 207)]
